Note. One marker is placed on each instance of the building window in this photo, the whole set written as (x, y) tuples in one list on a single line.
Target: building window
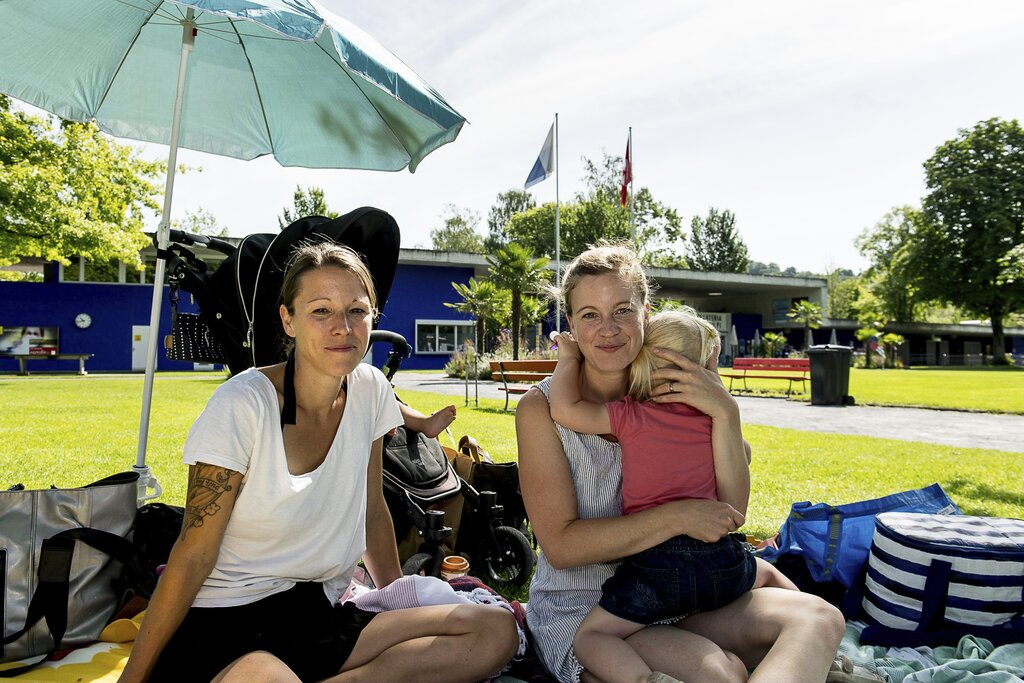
[(101, 271), (442, 336)]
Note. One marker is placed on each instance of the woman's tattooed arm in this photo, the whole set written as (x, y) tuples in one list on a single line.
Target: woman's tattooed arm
[(206, 484)]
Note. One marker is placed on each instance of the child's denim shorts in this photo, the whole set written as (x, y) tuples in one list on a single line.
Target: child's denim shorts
[(680, 577)]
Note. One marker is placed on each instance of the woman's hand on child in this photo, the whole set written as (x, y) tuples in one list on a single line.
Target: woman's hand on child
[(686, 382), (708, 520), (568, 349)]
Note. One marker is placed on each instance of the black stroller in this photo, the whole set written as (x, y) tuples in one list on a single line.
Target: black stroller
[(238, 324)]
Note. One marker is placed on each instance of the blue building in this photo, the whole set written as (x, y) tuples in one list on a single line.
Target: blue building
[(105, 310)]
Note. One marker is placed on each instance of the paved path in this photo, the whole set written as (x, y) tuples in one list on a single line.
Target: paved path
[(948, 427)]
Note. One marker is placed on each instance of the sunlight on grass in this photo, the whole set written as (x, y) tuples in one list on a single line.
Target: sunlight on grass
[(70, 431), (989, 389)]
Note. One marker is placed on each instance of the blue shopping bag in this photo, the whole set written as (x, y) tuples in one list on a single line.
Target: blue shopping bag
[(834, 540)]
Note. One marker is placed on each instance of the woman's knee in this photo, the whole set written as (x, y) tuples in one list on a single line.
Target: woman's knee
[(496, 628), (257, 667), (724, 667)]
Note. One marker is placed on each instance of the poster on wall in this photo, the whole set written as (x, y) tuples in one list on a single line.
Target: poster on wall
[(29, 340)]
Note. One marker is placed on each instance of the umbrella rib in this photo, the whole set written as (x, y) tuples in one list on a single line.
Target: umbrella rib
[(256, 84), (155, 9)]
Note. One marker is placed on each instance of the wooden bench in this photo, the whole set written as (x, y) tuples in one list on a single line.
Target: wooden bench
[(518, 372), (23, 359), (790, 369)]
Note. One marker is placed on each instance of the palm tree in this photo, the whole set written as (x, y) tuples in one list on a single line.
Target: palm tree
[(514, 268), (481, 299), (808, 314), (533, 311)]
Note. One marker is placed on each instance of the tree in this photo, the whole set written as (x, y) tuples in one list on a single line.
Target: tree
[(458, 233), (70, 191), (889, 247), (200, 222), (597, 213), (483, 300), (306, 202), (758, 268), (843, 288), (773, 343), (514, 268), (973, 219), (808, 314), (715, 245), (532, 311), (507, 204)]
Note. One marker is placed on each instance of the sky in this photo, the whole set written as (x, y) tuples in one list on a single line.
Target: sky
[(808, 120)]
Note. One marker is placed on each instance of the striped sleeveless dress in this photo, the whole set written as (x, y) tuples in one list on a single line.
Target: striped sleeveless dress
[(561, 598)]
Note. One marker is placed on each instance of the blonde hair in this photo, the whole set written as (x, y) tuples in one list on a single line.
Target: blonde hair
[(601, 258), (679, 330)]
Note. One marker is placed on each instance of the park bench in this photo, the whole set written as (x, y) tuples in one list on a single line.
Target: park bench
[(23, 359), (521, 373), (790, 369)]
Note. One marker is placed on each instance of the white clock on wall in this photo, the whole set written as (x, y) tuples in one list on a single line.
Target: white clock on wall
[(83, 320)]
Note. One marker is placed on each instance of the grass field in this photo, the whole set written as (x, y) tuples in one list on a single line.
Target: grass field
[(989, 389), (69, 431)]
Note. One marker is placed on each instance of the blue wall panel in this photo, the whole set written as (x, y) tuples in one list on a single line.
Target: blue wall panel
[(419, 293), (114, 309)]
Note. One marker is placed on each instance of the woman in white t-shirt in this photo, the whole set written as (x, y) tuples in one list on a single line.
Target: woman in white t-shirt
[(284, 497)]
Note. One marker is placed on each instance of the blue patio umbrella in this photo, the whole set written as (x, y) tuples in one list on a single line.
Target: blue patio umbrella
[(239, 78)]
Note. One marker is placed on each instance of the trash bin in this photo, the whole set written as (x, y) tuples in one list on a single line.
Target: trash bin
[(830, 375)]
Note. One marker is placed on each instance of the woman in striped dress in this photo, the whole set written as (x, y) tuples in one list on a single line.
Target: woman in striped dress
[(571, 486)]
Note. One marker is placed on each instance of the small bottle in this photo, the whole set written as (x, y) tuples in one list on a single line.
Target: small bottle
[(453, 566)]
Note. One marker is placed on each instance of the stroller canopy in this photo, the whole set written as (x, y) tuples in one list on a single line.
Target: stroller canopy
[(239, 301)]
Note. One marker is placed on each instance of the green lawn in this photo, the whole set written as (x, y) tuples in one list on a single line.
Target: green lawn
[(988, 389), (72, 430)]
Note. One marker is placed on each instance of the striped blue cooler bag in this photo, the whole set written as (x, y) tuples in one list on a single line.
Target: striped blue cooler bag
[(932, 579)]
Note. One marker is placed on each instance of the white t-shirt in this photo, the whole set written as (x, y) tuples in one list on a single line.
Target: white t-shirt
[(286, 528)]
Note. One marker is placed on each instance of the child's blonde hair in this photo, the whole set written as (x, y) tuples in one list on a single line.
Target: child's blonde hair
[(679, 330)]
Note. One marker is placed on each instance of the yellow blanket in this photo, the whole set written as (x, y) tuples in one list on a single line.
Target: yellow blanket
[(101, 662)]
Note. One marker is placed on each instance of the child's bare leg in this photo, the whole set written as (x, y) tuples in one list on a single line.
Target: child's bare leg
[(769, 575), (429, 426), (601, 647)]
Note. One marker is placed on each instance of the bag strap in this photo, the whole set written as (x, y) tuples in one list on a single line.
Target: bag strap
[(469, 446), (51, 596)]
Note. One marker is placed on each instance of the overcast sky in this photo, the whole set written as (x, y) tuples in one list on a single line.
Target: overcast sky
[(808, 120)]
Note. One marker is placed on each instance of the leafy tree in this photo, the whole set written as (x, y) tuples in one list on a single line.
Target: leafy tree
[(772, 342), (715, 245), (533, 310), (758, 268), (889, 246), (891, 343), (808, 314), (973, 220), (306, 202), (200, 222), (483, 300), (458, 233), (514, 268), (70, 191), (842, 293), (597, 213), (507, 204)]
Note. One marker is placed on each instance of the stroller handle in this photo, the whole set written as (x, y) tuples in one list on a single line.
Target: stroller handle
[(400, 350), (189, 239)]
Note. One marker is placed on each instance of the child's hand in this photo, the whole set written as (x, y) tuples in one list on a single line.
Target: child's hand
[(568, 349)]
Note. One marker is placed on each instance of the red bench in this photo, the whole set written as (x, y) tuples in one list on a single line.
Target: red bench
[(519, 372), (790, 369)]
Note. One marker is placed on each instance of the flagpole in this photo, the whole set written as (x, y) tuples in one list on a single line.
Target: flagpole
[(558, 245), (632, 222)]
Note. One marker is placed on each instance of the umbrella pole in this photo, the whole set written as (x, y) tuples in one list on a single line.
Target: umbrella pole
[(146, 479)]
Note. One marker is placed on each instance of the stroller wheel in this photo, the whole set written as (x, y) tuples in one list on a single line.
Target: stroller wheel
[(512, 561), (420, 564)]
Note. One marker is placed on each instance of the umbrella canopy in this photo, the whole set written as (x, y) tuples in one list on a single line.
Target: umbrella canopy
[(832, 339), (281, 77), (810, 338), (239, 78), (733, 339)]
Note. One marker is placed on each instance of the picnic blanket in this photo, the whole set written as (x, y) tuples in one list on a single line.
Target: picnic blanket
[(973, 660)]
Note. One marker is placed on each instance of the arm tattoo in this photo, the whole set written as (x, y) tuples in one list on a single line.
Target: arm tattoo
[(206, 484)]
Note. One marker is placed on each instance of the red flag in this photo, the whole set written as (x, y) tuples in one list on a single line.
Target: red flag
[(627, 177)]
